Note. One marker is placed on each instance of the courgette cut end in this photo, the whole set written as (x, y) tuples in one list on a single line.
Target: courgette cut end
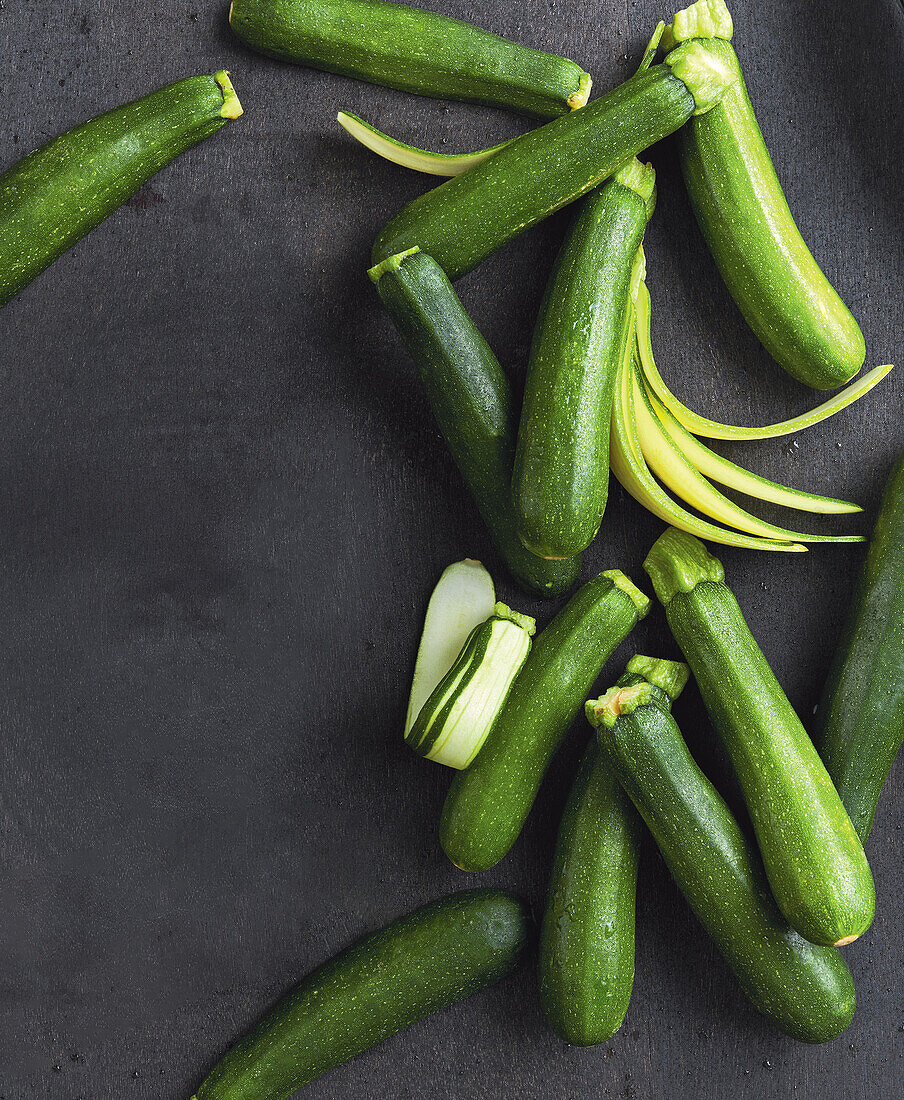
[(579, 98), (640, 599), (705, 19), (526, 622), (641, 179), (390, 264), (669, 676), (847, 939), (231, 108), (678, 562), (705, 75), (607, 710)]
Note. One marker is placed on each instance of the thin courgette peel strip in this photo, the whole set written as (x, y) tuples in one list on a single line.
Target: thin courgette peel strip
[(711, 429)]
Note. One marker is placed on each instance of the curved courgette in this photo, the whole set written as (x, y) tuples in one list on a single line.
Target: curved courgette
[(861, 716), (419, 964), (561, 479), (466, 219), (814, 860), (487, 805), (58, 193), (471, 399), (805, 990), (586, 963), (744, 217), (412, 49)]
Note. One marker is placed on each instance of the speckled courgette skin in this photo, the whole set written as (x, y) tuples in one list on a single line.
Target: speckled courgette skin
[(813, 858), (861, 716), (487, 805), (412, 49), (419, 964), (805, 990), (560, 483), (58, 193), (472, 401)]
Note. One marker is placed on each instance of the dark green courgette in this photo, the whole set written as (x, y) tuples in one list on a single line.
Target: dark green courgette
[(813, 857), (586, 964), (805, 990), (561, 479), (60, 192), (412, 49), (487, 805), (744, 217), (861, 716), (471, 399), (463, 221), (419, 964)]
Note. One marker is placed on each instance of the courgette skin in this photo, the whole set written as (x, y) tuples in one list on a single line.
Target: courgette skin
[(861, 716), (472, 401), (813, 858), (412, 49), (805, 990), (469, 217), (561, 478), (415, 966), (744, 217), (61, 191), (487, 805)]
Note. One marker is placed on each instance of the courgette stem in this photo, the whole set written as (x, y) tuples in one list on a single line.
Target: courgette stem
[(705, 19)]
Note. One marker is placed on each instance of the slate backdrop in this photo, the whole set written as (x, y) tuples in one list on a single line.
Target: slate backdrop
[(223, 505)]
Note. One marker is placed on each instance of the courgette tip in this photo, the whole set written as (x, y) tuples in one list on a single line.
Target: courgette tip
[(606, 711), (579, 98), (705, 74), (705, 19), (391, 263), (231, 108), (526, 622), (669, 676), (678, 562), (640, 599), (846, 940)]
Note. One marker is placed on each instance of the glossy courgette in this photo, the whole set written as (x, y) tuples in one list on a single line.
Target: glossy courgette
[(561, 479), (861, 716), (472, 401), (805, 990), (464, 220), (57, 194), (586, 963), (487, 805), (419, 964), (813, 858)]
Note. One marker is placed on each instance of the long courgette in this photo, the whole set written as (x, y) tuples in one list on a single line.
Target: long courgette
[(419, 964), (805, 990), (472, 401), (861, 716), (561, 478), (813, 858), (586, 963), (487, 805), (57, 194), (464, 220)]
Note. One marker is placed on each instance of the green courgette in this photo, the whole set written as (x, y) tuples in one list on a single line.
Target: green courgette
[(419, 964), (861, 716), (813, 858), (586, 963), (487, 805), (57, 194), (464, 220), (412, 49), (744, 217), (804, 989), (472, 401), (561, 478)]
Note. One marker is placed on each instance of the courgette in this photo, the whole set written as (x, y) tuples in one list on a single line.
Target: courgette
[(805, 990), (861, 716), (412, 49), (586, 963), (561, 479), (57, 194), (813, 858), (487, 805), (415, 966), (472, 401), (464, 220), (744, 217)]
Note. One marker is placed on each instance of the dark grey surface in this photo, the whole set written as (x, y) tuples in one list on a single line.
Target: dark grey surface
[(223, 505)]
